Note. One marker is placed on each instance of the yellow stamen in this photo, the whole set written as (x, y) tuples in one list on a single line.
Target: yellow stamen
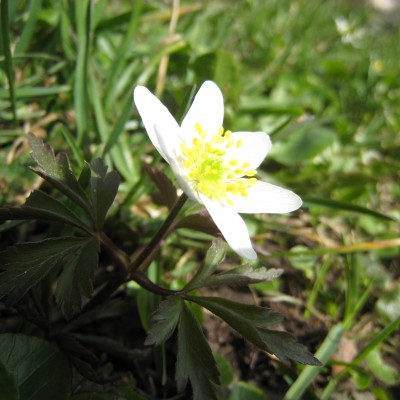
[(211, 171)]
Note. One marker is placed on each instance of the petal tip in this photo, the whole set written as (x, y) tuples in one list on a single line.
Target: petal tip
[(248, 253)]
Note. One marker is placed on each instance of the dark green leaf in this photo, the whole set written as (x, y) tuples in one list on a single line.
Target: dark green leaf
[(168, 195), (251, 322), (9, 388), (42, 206), (195, 360), (243, 275), (57, 171), (286, 347), (96, 396), (44, 202), (39, 369), (164, 321), (214, 257), (25, 265), (239, 314), (103, 189), (75, 280), (110, 346), (244, 318)]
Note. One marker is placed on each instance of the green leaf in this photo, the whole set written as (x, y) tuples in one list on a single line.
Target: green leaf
[(96, 396), (214, 257), (225, 369), (42, 206), (388, 304), (251, 322), (244, 318), (341, 205), (164, 321), (29, 92), (8, 63), (119, 126), (83, 22), (221, 67), (39, 369), (243, 390), (103, 189), (42, 201), (75, 280), (286, 347), (9, 388), (243, 275), (29, 26), (195, 360), (238, 315), (168, 194), (25, 265), (57, 171), (77, 151), (304, 143), (383, 371)]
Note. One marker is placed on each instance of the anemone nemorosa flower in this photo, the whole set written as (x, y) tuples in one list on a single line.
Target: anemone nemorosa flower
[(214, 167)]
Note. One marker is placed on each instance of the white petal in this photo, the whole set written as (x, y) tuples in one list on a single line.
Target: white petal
[(253, 149), (153, 113), (232, 228), (207, 109), (266, 198), (169, 145)]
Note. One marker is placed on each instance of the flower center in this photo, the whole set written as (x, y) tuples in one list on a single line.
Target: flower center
[(211, 169)]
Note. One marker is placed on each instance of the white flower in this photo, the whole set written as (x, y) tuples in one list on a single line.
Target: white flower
[(213, 166)]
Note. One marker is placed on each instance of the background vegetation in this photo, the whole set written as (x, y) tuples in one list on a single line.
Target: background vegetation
[(321, 77)]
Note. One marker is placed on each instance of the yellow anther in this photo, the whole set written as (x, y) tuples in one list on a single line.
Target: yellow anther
[(211, 171), (239, 143), (251, 172)]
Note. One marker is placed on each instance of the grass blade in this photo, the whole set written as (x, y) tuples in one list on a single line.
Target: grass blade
[(8, 62), (119, 127), (324, 353), (29, 27), (83, 28), (123, 50), (340, 205)]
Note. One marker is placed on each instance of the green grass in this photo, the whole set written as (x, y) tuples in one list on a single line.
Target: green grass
[(320, 77)]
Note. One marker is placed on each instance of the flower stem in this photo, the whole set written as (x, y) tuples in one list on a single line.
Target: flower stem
[(159, 236)]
